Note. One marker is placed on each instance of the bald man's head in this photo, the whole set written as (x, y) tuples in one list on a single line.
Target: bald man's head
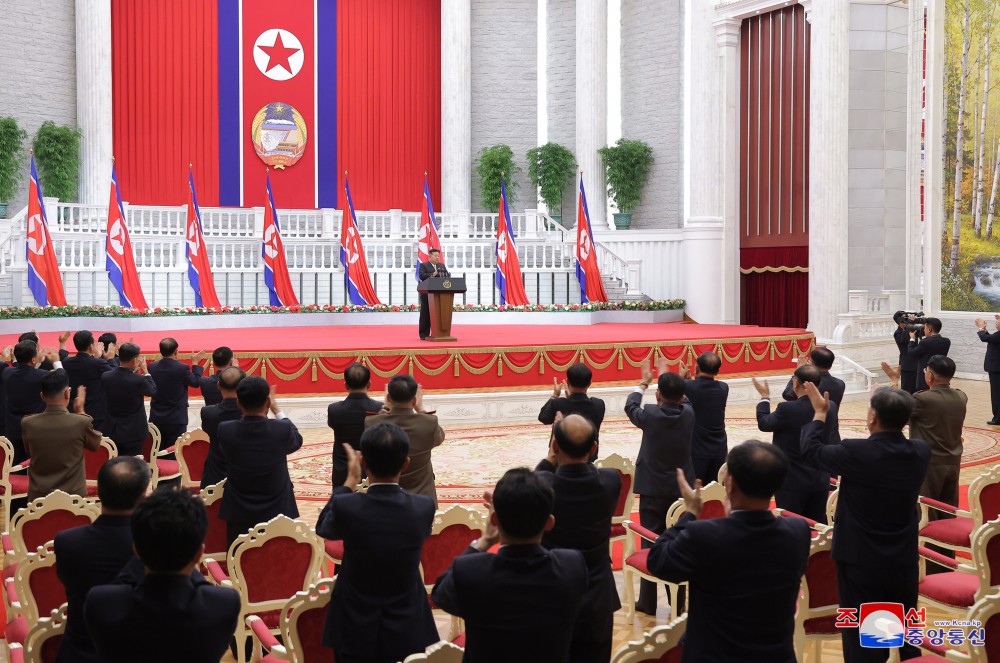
[(575, 436)]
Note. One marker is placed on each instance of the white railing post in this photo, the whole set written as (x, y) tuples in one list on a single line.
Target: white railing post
[(329, 223), (857, 301), (462, 221), (633, 283), (531, 223), (395, 223), (258, 222)]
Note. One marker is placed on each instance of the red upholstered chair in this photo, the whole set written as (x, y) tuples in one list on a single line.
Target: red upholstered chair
[(216, 538), (831, 506), (268, 566), (335, 549), (162, 468), (659, 645), (956, 533), (302, 622), (713, 504), (957, 590), (816, 616), (721, 476), (191, 450), (452, 531), (40, 521), (626, 499), (33, 591), (985, 611), (93, 461), (43, 640), (13, 480), (439, 652)]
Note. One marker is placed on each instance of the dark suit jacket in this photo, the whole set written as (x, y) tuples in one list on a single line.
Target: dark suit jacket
[(786, 424), (523, 599), (210, 389), (347, 419), (170, 405), (427, 271), (168, 618), (708, 397), (23, 386), (86, 557), (425, 434), (877, 511), (211, 416), (924, 350), (126, 422), (582, 404), (742, 598), (937, 419), (379, 609), (827, 384), (991, 363), (55, 440), (256, 451), (86, 370), (666, 445), (902, 339)]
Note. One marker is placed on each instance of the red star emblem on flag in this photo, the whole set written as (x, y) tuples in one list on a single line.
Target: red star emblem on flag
[(278, 54)]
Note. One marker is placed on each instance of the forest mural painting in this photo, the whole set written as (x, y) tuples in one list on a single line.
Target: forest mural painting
[(970, 256)]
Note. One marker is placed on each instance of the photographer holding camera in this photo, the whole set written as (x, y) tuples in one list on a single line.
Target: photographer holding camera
[(992, 365), (906, 321), (923, 349)]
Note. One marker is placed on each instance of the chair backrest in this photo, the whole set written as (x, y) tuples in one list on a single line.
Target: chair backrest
[(659, 645), (819, 596), (453, 530), (986, 611), (93, 461), (626, 470), (273, 562), (39, 590), (7, 462), (150, 449), (43, 640), (986, 557), (831, 505), (984, 497), (723, 470), (303, 620), (713, 504), (217, 537), (45, 517), (191, 450), (439, 652)]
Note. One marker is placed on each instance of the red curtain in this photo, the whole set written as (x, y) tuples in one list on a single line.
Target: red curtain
[(771, 294)]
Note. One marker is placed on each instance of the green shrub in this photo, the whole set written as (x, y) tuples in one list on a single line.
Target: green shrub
[(11, 157), (57, 155), (627, 164), (495, 162), (551, 168)]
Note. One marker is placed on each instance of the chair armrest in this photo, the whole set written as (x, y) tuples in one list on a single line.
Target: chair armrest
[(10, 591), (641, 531), (834, 481), (218, 575), (938, 558), (942, 506), (164, 452), (22, 466), (785, 513), (16, 653), (265, 637), (8, 544)]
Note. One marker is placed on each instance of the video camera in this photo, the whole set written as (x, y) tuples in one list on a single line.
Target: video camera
[(912, 321)]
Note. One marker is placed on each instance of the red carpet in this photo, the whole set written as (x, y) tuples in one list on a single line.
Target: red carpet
[(312, 359)]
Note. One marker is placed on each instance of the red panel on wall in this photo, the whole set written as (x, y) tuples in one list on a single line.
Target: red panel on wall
[(164, 59), (389, 107)]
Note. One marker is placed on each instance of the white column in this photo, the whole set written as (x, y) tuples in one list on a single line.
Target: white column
[(456, 106), (829, 76), (914, 157), (592, 102), (727, 155), (93, 97), (934, 125)]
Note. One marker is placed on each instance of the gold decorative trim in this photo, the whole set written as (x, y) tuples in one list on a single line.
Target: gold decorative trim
[(761, 270)]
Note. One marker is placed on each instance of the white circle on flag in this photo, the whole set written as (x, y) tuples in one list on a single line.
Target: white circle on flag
[(117, 238), (36, 237), (278, 54), (270, 242)]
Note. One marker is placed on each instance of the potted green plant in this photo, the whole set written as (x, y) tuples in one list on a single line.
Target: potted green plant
[(496, 161), (551, 169), (57, 156), (11, 160), (626, 164)]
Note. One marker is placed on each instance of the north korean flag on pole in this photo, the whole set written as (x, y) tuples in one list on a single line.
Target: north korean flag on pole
[(273, 251), (352, 257), (120, 263), (199, 269), (427, 236), (587, 271), (508, 278), (44, 279)]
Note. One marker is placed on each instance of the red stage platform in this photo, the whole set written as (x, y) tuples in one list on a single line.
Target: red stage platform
[(311, 360)]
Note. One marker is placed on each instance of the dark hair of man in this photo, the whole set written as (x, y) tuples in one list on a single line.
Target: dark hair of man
[(54, 384), (252, 392), (579, 376), (121, 482), (230, 377), (129, 351), (934, 323), (168, 529), (523, 503), (107, 338), (758, 468), (822, 358), (893, 407), (82, 340), (433, 251), (168, 347), (709, 363), (222, 356), (572, 445), (28, 336), (942, 366), (402, 388), (807, 373), (25, 351), (357, 376), (385, 448), (671, 386)]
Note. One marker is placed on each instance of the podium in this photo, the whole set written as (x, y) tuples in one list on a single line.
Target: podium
[(440, 293)]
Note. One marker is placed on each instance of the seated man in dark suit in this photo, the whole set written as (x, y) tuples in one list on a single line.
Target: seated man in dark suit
[(227, 409), (126, 388), (667, 430), (47, 364), (806, 489), (378, 610), (85, 369), (94, 554), (570, 397), (743, 570), (169, 617), (347, 417), (110, 341), (168, 410), (708, 397), (255, 450), (875, 540), (585, 501), (222, 358), (22, 383), (821, 358), (520, 604), (932, 343)]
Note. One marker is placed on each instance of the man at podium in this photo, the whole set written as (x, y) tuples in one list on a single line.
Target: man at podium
[(431, 269)]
